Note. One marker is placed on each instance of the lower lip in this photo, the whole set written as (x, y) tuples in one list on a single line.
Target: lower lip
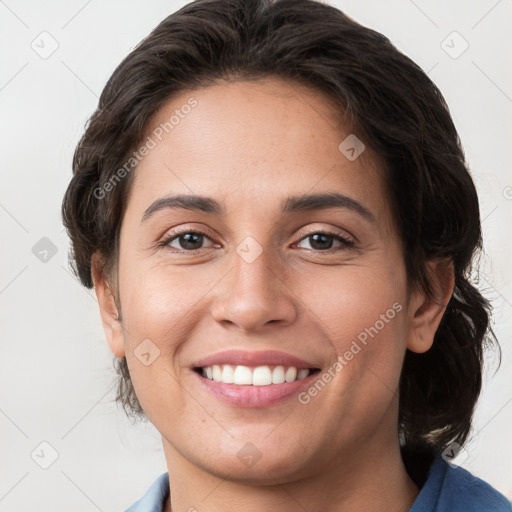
[(255, 396)]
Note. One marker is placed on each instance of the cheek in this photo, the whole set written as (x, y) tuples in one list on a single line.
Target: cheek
[(355, 302), (158, 318), (158, 301), (362, 312)]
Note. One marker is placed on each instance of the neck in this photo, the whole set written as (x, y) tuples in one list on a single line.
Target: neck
[(365, 479)]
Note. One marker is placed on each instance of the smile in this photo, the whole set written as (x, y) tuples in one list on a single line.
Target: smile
[(254, 376), (248, 379)]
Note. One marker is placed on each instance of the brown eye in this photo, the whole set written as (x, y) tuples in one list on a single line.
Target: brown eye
[(186, 241), (321, 241)]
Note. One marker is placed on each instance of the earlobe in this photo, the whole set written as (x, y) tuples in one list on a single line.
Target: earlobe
[(108, 309), (426, 312)]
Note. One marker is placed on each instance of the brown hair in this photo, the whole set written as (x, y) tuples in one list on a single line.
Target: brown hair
[(399, 113)]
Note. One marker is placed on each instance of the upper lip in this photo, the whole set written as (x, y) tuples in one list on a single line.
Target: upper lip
[(254, 358)]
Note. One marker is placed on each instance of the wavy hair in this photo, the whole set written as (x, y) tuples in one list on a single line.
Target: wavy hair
[(397, 110)]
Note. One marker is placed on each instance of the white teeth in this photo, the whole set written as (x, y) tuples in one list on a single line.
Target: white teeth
[(302, 374), (217, 373), (243, 375), (291, 374), (258, 376), (278, 375), (228, 374), (261, 376)]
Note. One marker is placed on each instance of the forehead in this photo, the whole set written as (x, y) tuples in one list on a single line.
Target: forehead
[(252, 143)]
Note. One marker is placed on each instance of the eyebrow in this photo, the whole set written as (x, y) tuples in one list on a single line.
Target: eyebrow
[(289, 205), (327, 200)]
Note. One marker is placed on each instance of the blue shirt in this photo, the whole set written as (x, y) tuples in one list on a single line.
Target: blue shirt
[(447, 489)]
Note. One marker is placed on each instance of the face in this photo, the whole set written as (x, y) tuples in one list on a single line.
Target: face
[(264, 329)]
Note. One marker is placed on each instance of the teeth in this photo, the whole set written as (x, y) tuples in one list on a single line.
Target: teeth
[(217, 373), (291, 374), (243, 375), (228, 374), (302, 374), (258, 376), (278, 375), (261, 376)]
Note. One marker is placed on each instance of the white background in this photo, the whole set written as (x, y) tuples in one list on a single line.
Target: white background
[(56, 369)]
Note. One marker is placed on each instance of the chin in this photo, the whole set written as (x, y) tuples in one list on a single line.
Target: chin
[(260, 463)]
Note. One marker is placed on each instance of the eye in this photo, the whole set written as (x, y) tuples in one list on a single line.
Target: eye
[(189, 241), (186, 241), (323, 241)]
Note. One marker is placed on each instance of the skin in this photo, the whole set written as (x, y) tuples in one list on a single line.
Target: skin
[(249, 145)]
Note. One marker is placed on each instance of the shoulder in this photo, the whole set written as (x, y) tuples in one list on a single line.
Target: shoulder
[(451, 488), (154, 498)]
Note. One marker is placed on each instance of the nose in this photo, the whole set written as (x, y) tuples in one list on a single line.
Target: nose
[(255, 294)]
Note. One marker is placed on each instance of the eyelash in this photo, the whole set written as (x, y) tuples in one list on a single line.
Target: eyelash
[(346, 242)]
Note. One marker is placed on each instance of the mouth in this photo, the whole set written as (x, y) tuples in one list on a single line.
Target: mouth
[(254, 379), (241, 375)]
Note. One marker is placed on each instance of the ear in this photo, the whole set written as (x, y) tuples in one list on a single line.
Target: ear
[(108, 309), (425, 313)]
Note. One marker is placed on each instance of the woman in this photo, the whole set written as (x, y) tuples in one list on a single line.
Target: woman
[(273, 207)]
